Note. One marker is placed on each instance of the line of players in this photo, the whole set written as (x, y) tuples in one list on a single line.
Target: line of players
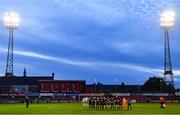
[(109, 103)]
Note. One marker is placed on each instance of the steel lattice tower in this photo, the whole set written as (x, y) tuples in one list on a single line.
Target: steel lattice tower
[(9, 64), (11, 20), (168, 74), (167, 21)]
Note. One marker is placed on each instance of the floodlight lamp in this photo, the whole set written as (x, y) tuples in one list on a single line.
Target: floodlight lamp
[(11, 20), (167, 19)]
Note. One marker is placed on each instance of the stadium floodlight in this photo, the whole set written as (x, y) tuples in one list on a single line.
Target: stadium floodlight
[(138, 85), (161, 86), (11, 22), (95, 85), (115, 89), (167, 19)]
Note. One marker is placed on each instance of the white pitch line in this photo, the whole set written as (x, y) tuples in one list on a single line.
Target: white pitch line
[(87, 114), (52, 108)]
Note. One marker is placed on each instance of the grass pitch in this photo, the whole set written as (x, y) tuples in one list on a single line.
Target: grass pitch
[(77, 108)]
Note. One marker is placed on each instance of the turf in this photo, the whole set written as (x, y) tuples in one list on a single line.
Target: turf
[(77, 108)]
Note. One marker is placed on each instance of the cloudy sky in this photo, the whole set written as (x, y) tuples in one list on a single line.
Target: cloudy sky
[(91, 39)]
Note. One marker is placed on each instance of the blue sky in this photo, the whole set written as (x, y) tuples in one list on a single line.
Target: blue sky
[(91, 39)]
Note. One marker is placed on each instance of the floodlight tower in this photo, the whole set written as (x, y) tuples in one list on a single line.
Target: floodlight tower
[(11, 22), (167, 21)]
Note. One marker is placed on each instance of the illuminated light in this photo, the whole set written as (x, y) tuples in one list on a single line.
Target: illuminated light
[(11, 20), (167, 19)]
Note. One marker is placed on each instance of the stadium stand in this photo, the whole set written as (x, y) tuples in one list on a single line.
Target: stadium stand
[(46, 89)]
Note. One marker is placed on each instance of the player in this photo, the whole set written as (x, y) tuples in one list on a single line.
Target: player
[(98, 103), (120, 104), (162, 100), (27, 101), (101, 103), (108, 103), (112, 103), (90, 103), (93, 103), (129, 104), (117, 103)]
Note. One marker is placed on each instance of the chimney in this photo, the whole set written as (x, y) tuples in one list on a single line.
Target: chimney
[(24, 73), (53, 75)]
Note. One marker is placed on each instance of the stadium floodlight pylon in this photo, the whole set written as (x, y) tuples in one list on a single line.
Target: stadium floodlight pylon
[(167, 21), (11, 22)]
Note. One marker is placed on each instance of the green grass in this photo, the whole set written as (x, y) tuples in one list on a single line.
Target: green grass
[(77, 108)]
